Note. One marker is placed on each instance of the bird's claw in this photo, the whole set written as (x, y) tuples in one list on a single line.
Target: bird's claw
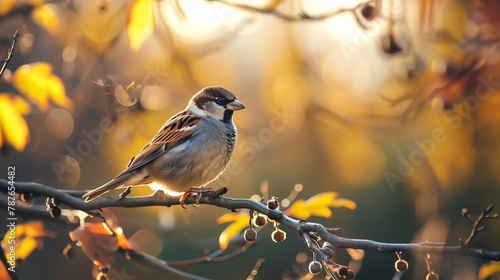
[(124, 194), (183, 199), (198, 192)]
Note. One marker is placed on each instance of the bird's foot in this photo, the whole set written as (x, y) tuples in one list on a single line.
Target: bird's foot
[(183, 199), (124, 194), (198, 192)]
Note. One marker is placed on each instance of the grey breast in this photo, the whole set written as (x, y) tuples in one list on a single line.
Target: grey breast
[(199, 160)]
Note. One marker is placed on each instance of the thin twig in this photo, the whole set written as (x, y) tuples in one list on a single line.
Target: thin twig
[(256, 269), (302, 16), (217, 256), (10, 52), (153, 262), (476, 228), (315, 250)]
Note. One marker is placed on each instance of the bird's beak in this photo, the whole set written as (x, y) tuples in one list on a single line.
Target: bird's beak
[(235, 105)]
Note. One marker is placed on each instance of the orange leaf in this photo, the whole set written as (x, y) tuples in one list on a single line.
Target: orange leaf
[(4, 274), (97, 228), (99, 242), (140, 22), (103, 236), (123, 242), (12, 124), (240, 221), (37, 82), (98, 247)]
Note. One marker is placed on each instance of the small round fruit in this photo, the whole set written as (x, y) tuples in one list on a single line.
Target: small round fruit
[(55, 201), (349, 275), (368, 11), (102, 276), (328, 249), (401, 265), (432, 276), (104, 270), (389, 44), (259, 220), (69, 252), (272, 204), (342, 271), (278, 235), (250, 234), (25, 197), (315, 267), (55, 211)]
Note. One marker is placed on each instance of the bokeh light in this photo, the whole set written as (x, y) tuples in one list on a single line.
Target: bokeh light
[(67, 170), (60, 123)]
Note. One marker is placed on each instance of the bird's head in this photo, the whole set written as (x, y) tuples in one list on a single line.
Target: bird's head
[(216, 102)]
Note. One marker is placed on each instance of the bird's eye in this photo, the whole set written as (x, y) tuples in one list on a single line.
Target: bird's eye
[(220, 100)]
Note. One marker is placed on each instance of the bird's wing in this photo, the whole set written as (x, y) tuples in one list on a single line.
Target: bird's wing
[(174, 132)]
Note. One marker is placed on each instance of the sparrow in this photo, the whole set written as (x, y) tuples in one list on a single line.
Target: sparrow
[(189, 151)]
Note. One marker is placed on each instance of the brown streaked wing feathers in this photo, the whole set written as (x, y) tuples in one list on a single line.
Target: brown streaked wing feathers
[(167, 138)]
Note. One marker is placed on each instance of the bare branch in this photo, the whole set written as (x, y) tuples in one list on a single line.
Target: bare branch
[(302, 16), (256, 268), (476, 228), (238, 203), (10, 52)]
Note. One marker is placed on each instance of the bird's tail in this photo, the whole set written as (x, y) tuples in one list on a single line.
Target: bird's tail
[(118, 182)]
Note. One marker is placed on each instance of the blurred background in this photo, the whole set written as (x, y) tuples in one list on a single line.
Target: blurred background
[(392, 104)]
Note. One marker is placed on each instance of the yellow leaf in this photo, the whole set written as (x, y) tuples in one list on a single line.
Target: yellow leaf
[(1, 137), (343, 202), (6, 6), (240, 221), (25, 247), (13, 127), (489, 269), (322, 211), (37, 82), (318, 205), (228, 217), (26, 238), (46, 17), (33, 229), (122, 240), (21, 105), (140, 22)]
